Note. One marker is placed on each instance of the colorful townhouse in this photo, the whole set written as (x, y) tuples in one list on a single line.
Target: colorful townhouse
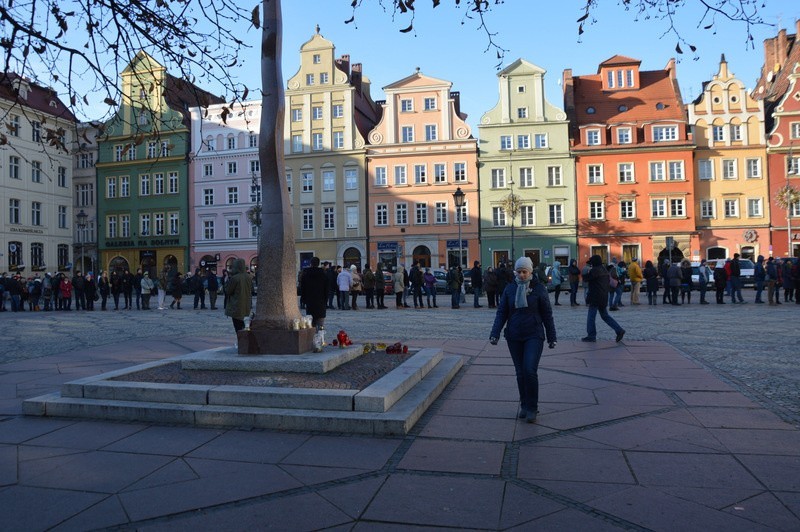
[(633, 163), (35, 178), (84, 198), (778, 87), (420, 154), (329, 113), (731, 185), (527, 174), (224, 185), (142, 171)]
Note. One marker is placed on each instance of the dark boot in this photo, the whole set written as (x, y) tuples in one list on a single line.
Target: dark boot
[(172, 305)]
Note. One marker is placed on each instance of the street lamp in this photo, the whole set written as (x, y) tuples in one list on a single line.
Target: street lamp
[(458, 199), (512, 205), (81, 216)]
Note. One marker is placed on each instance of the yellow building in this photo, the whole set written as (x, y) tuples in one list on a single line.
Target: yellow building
[(731, 185)]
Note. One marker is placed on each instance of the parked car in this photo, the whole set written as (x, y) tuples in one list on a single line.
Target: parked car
[(747, 267), (564, 278), (696, 276), (441, 281)]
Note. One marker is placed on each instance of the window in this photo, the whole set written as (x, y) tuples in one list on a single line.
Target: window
[(131, 152), (173, 182), (729, 169), (540, 140), (36, 171), (505, 142), (718, 133), (158, 222), (338, 140), (62, 216), (627, 209), (596, 210), (498, 178), (118, 153), (707, 209), (754, 208), (316, 59), (111, 187), (440, 173), (151, 150), (677, 207), (430, 132), (62, 176), (233, 228), (792, 165), (36, 131), (400, 175), (795, 209), (521, 89), (420, 174), (351, 178), (124, 186), (289, 183), (111, 226), (252, 140), (210, 143), (316, 113), (208, 229), (522, 112), (401, 214), (407, 134), (624, 135), (553, 176), (85, 194), (556, 213), (629, 75), (297, 143), (208, 196), (593, 137), (611, 79), (233, 195), (619, 78), (328, 180), (255, 193), (753, 168), (421, 213), (406, 106), (380, 176), (498, 217), (523, 142), (13, 128), (323, 77), (144, 224), (232, 168), (794, 130), (316, 141), (328, 218), (338, 110), (440, 208), (527, 216), (676, 170), (461, 213), (736, 132), (352, 216), (656, 171), (381, 214), (308, 181), (659, 208), (625, 172), (731, 208), (37, 255), (158, 183), (13, 211), (526, 177), (86, 160), (255, 167), (595, 172), (309, 79), (665, 133), (297, 115), (460, 172), (705, 169), (430, 104), (208, 170)]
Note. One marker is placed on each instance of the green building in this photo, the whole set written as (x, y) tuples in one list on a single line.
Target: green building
[(142, 171), (527, 176)]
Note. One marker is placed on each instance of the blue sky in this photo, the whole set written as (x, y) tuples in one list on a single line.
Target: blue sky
[(447, 46)]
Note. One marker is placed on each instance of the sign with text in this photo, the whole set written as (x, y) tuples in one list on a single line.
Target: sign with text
[(387, 246), (453, 244)]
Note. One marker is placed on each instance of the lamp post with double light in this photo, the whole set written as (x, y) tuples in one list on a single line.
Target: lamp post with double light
[(82, 217), (511, 206), (458, 199)]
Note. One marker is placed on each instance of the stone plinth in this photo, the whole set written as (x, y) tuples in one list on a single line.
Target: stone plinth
[(275, 341), (228, 360)]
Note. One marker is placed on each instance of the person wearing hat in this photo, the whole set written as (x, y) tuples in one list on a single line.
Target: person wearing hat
[(355, 286), (147, 286), (597, 299), (525, 312)]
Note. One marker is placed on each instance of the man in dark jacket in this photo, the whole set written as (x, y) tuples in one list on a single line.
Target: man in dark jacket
[(597, 299), (477, 282), (736, 281), (79, 287), (314, 291), (213, 288), (199, 291)]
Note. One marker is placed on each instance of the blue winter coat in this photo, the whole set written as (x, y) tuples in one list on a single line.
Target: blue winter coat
[(533, 321)]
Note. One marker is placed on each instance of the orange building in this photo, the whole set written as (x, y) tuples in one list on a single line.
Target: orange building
[(633, 162), (420, 153)]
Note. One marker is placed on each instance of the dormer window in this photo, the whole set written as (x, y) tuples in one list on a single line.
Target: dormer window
[(593, 137)]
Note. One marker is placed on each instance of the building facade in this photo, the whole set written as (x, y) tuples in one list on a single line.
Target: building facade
[(633, 163), (84, 200), (142, 171), (420, 153), (731, 186), (329, 112), (35, 178), (527, 174)]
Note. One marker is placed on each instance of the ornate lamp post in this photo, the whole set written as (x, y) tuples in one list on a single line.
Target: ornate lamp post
[(511, 206), (458, 199), (82, 217), (787, 197)]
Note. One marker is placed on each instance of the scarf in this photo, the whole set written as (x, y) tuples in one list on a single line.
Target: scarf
[(521, 300)]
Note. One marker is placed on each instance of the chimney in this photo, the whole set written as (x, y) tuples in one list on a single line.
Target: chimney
[(670, 68), (781, 52), (355, 77), (456, 97), (568, 90), (343, 64)]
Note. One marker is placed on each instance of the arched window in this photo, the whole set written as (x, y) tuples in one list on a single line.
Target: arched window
[(118, 264), (422, 254), (352, 256), (716, 253)]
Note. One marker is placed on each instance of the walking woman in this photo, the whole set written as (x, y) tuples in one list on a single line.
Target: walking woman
[(574, 274), (525, 312)]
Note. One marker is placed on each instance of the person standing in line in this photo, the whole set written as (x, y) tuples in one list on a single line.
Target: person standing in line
[(771, 275), (333, 290), (454, 286), (355, 286), (315, 288), (398, 280), (556, 279), (788, 284), (162, 287), (198, 289), (686, 282), (674, 280), (368, 284), (417, 279), (597, 299), (344, 282), (146, 290), (430, 287), (759, 277), (636, 277), (177, 289), (720, 282), (104, 286), (78, 288), (736, 280), (239, 289), (90, 290), (490, 286), (703, 277), (525, 312), (613, 284), (650, 275), (47, 291), (574, 276), (406, 285), (137, 288), (127, 289), (477, 283), (663, 270), (213, 288), (380, 288), (116, 287), (65, 288)]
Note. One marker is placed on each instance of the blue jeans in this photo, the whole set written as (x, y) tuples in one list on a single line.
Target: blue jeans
[(759, 289), (526, 355), (476, 293), (736, 289), (455, 299), (591, 328)]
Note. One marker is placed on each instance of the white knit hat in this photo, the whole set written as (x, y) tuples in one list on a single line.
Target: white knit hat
[(524, 263)]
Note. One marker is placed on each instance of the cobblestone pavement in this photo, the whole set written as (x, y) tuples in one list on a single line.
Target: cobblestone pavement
[(754, 347)]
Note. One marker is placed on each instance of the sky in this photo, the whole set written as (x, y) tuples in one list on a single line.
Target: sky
[(447, 46)]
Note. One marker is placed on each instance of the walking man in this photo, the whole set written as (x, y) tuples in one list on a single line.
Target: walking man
[(597, 299)]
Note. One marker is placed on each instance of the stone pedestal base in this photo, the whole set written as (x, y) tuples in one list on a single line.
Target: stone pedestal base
[(275, 342)]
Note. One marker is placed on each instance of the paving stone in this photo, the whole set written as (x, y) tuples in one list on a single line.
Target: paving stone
[(588, 465), (454, 456)]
